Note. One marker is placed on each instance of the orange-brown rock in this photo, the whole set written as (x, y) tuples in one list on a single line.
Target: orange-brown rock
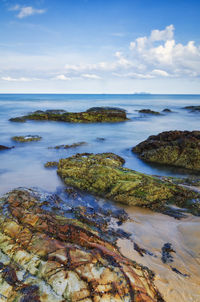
[(45, 257)]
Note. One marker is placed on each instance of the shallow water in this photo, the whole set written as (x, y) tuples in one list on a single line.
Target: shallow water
[(24, 166)]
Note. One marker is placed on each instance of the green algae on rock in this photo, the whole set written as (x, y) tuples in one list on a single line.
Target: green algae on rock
[(27, 138), (50, 258), (51, 164), (103, 175), (92, 115), (176, 148)]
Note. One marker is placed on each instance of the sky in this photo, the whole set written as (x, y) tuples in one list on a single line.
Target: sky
[(100, 46)]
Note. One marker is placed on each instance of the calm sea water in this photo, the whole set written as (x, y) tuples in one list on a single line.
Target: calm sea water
[(24, 165)]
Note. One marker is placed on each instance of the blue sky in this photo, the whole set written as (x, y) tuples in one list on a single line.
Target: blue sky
[(99, 46)]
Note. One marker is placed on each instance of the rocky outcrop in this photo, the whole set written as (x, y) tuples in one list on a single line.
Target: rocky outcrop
[(177, 148), (47, 257), (149, 111), (27, 138), (103, 175), (92, 115)]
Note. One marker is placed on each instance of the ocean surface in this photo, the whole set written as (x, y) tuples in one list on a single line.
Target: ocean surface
[(24, 165)]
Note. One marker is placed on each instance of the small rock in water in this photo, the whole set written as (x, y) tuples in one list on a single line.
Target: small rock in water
[(166, 253)]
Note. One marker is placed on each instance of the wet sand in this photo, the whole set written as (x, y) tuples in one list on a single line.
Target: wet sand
[(151, 231)]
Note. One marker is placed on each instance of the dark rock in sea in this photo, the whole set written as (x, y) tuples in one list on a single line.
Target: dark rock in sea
[(149, 111), (27, 138), (192, 108), (92, 115), (166, 253), (176, 148), (51, 258), (5, 148), (142, 251), (103, 175), (167, 110)]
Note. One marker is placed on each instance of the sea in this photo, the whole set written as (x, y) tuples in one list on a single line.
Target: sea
[(24, 164)]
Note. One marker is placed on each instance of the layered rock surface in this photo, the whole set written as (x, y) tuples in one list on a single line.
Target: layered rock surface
[(48, 257), (103, 175), (92, 115), (177, 148)]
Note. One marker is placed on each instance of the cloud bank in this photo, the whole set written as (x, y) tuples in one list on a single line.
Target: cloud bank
[(155, 56)]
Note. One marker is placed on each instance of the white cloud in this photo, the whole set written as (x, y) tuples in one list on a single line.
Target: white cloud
[(26, 11), (160, 72), (10, 79), (90, 76), (62, 77), (162, 35)]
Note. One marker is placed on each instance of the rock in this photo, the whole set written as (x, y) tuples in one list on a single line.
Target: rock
[(167, 110), (103, 175), (176, 148), (27, 138), (166, 253), (192, 108), (51, 164), (75, 145), (50, 258), (92, 115), (149, 111), (5, 147)]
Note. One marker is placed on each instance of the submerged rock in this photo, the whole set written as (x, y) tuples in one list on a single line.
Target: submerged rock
[(2, 147), (75, 145), (27, 138), (92, 115), (46, 257), (149, 111), (176, 148), (103, 175)]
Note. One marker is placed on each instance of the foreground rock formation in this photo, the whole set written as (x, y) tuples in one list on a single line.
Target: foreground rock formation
[(27, 138), (48, 257), (177, 148), (92, 115), (103, 175)]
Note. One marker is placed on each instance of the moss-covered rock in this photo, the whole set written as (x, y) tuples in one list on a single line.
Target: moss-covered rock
[(177, 148), (103, 175), (149, 111), (92, 115), (51, 164), (50, 258), (26, 138)]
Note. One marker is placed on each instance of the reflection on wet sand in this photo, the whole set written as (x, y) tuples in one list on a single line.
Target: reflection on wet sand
[(178, 280)]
